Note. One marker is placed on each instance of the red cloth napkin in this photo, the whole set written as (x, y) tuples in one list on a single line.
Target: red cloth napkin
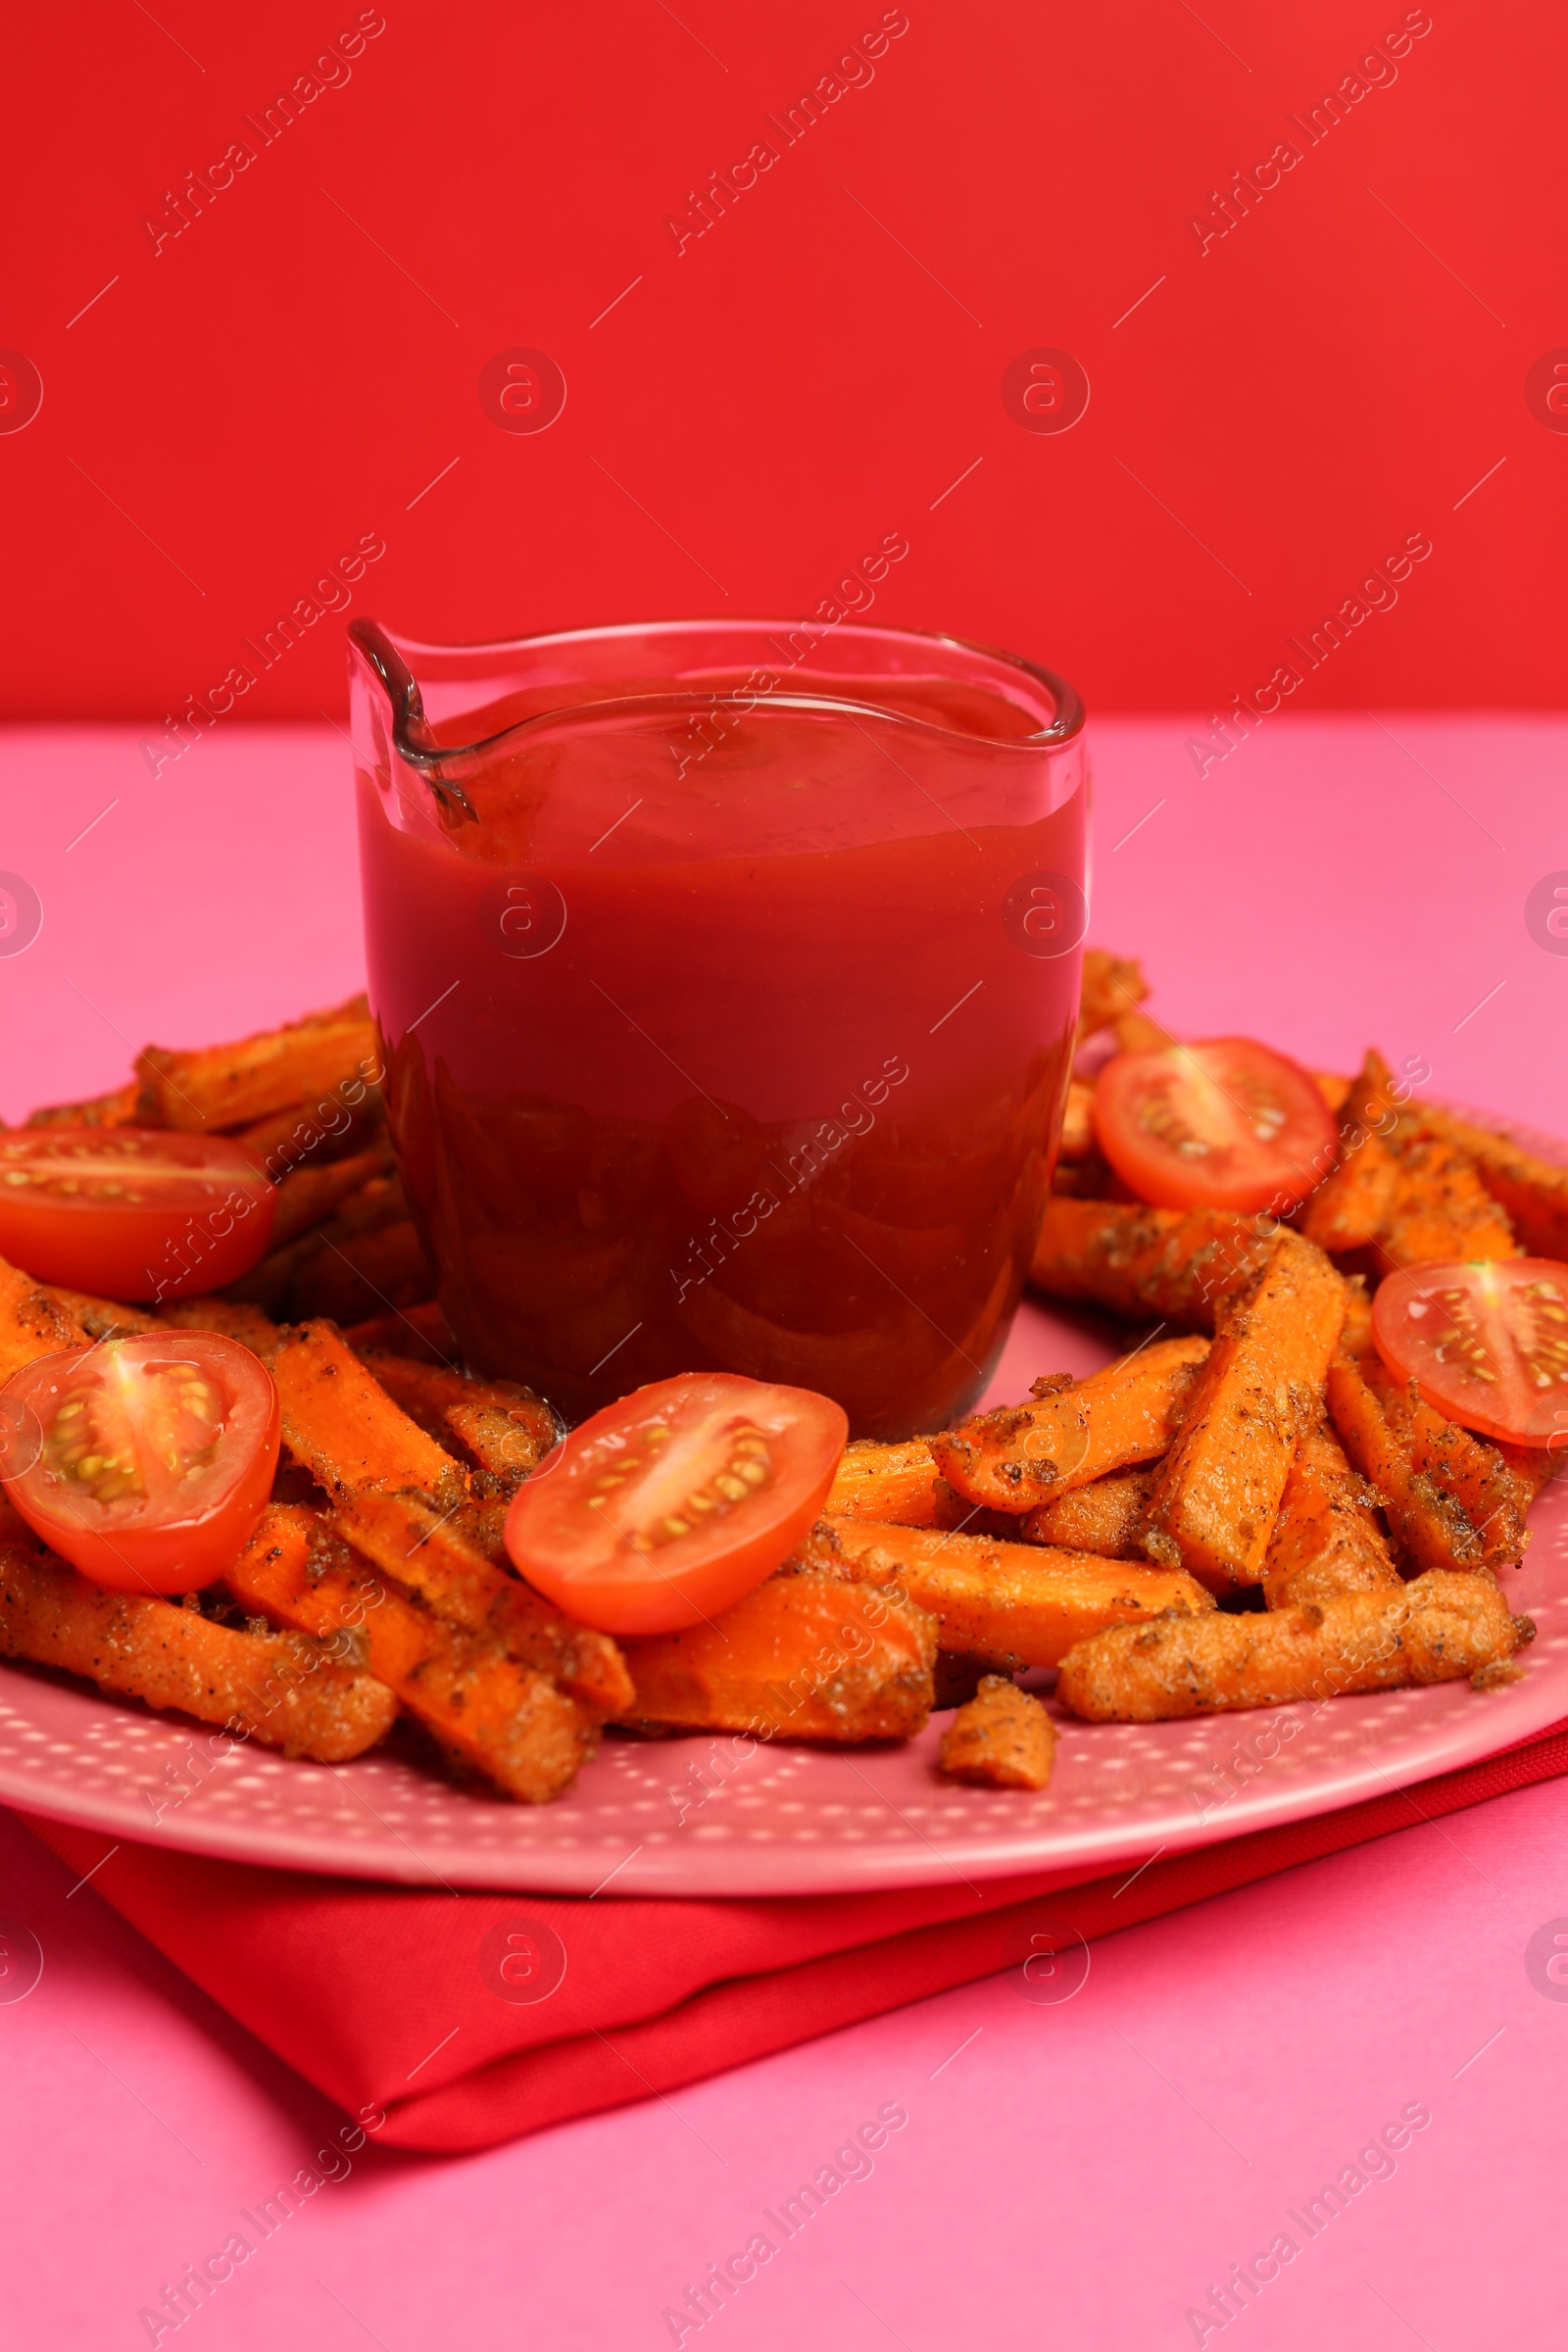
[(448, 2022)]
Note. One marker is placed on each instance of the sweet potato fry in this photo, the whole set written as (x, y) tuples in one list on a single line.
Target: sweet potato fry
[(32, 1322), (344, 1427), (421, 1333), (1327, 1538), (1218, 1491), (315, 1134), (279, 1688), (1110, 984), (1003, 1738), (1106, 1517), (499, 1426), (1021, 1603), (1442, 1210), (115, 1109), (235, 1085), (1434, 1630), (309, 1194), (1020, 1456), (248, 1324), (804, 1656), (1534, 1192), (1429, 1524), (101, 1318), (1166, 1265), (489, 1714), (428, 1555), (898, 1484), (1077, 1127)]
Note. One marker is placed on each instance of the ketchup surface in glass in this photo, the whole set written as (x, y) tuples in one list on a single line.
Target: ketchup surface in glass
[(727, 977)]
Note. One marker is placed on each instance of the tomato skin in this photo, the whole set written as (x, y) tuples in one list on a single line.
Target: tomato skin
[(590, 1529), (1224, 1123), (204, 1221), (1487, 1343), (184, 1530)]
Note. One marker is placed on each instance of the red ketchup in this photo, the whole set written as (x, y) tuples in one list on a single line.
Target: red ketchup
[(731, 1027)]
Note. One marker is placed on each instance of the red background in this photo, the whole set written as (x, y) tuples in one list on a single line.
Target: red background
[(238, 409)]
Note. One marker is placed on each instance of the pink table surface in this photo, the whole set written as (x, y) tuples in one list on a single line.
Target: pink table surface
[(1068, 2174)]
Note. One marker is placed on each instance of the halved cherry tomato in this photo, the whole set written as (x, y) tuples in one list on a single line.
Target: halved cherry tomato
[(1225, 1124), (1488, 1344), (131, 1212), (666, 1508), (150, 1458)]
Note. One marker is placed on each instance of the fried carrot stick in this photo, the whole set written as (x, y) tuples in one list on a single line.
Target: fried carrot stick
[(1019, 1602), (102, 1319), (307, 1196), (1110, 984), (1014, 1458), (1105, 1517), (1534, 1192), (1171, 1264), (32, 1322), (502, 1427), (1001, 1739), (804, 1656), (490, 1714), (117, 1110), (1442, 1210), (279, 1282), (1327, 1538), (1077, 1126), (1429, 1524), (279, 1688), (898, 1484), (235, 1085), (1434, 1630), (344, 1280), (1352, 1205), (427, 1555), (343, 1425), (1468, 1468), (1218, 1491), (314, 1134), (248, 1324)]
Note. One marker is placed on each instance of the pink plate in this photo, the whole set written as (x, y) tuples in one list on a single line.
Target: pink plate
[(715, 1816)]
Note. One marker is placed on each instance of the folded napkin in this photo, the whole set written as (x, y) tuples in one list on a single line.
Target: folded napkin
[(448, 2022)]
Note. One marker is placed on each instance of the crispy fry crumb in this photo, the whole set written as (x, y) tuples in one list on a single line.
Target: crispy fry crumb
[(1004, 1738)]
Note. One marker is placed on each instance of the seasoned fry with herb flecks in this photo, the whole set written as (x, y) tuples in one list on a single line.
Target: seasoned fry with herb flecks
[(343, 1425), (1159, 1264), (307, 1196), (1106, 1517), (279, 1688), (1021, 1455), (1003, 1738), (248, 1324), (235, 1085), (1438, 1629), (804, 1656), (1534, 1192), (489, 1714), (1110, 984), (1429, 1524), (345, 1280), (428, 1555), (1442, 1210), (1352, 1206), (504, 1428), (102, 1319), (117, 1110), (1327, 1538), (1218, 1491), (1019, 1602), (1468, 1471), (32, 1322), (314, 1134), (898, 1484)]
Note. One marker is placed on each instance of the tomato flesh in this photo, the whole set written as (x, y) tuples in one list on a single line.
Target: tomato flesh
[(1224, 1124), (1487, 1343), (667, 1507), (131, 1212), (146, 1463)]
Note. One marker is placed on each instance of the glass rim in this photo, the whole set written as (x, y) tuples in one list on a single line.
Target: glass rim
[(385, 655)]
